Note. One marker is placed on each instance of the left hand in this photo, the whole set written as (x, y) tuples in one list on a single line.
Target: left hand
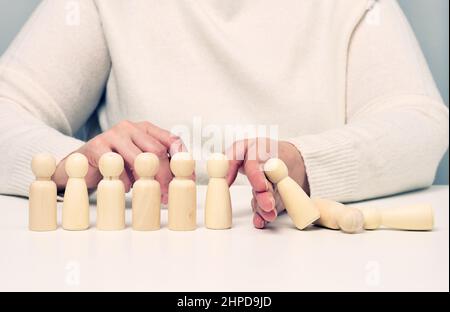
[(248, 157)]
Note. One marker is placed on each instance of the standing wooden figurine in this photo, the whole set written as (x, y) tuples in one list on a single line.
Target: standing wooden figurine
[(218, 212), (146, 203), (75, 215), (182, 194), (299, 206), (42, 196), (111, 194)]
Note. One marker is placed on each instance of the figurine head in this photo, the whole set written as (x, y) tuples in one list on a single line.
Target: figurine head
[(217, 165), (146, 165), (76, 166), (43, 166), (111, 165), (182, 165), (275, 170)]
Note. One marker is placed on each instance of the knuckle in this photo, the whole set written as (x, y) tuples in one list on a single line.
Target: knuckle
[(176, 143), (160, 151), (98, 142), (122, 128), (145, 124), (124, 125), (113, 132), (175, 139)]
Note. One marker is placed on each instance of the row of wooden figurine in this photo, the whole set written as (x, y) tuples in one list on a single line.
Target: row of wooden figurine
[(182, 200), (146, 195)]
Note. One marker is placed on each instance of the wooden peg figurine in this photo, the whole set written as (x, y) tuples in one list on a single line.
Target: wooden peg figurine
[(218, 215), (75, 215), (299, 206), (182, 194), (42, 196), (111, 194), (146, 202), (336, 216), (414, 218)]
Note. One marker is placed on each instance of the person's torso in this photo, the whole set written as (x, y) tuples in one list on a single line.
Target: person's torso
[(252, 63)]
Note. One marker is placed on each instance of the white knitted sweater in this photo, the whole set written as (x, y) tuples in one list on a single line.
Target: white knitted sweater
[(344, 80)]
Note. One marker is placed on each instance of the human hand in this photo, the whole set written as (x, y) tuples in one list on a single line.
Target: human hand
[(128, 139), (248, 157)]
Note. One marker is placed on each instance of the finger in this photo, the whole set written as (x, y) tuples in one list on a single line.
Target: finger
[(164, 176), (260, 217), (268, 216), (258, 221), (93, 177), (236, 155), (60, 176), (93, 154), (253, 203), (233, 171), (172, 142), (122, 144), (129, 151), (278, 202), (148, 144), (177, 146), (266, 201), (94, 150), (255, 174), (127, 181)]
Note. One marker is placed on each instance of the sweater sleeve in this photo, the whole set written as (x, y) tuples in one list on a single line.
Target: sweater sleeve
[(51, 80), (396, 130)]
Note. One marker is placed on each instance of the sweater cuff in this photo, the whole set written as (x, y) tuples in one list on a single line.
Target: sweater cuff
[(331, 165), (55, 144)]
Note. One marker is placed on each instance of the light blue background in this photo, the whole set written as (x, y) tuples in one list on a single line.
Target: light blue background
[(429, 19)]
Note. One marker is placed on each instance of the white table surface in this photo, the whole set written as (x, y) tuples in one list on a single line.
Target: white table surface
[(279, 258)]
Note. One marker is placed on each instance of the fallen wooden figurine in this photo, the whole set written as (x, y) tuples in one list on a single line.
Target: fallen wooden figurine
[(418, 217), (333, 215), (337, 216)]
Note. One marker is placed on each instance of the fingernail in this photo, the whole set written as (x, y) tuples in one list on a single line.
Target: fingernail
[(262, 224), (272, 200), (267, 185), (164, 199)]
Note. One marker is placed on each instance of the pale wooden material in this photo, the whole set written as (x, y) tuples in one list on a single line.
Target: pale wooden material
[(419, 217), (146, 202), (75, 214), (218, 211), (42, 195), (111, 194), (336, 216), (299, 206), (182, 194)]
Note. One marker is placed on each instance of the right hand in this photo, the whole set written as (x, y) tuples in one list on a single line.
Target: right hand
[(248, 157), (128, 139)]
